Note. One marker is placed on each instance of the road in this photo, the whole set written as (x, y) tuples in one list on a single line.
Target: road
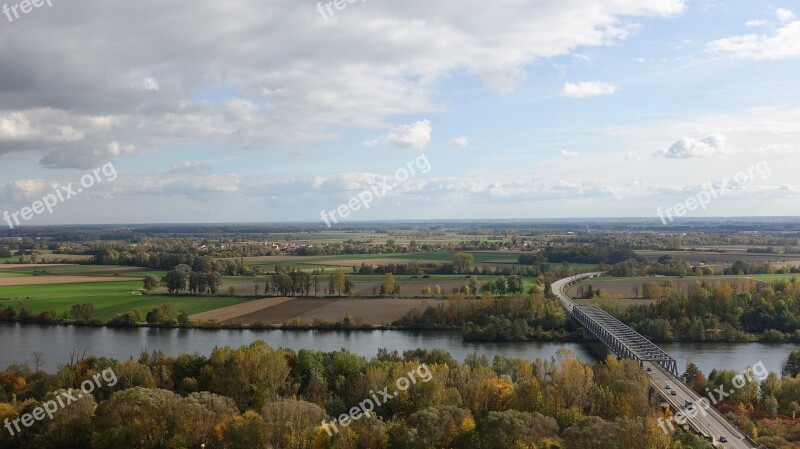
[(704, 419)]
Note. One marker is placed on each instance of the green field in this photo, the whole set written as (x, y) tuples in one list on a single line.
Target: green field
[(108, 298), (774, 277)]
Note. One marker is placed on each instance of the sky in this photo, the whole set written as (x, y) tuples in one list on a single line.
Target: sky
[(277, 110)]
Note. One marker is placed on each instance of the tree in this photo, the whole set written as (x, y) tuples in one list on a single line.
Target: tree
[(463, 262), (151, 282), (150, 419), (160, 315), (291, 421), (176, 280), (388, 283), (338, 282), (183, 318), (791, 367), (82, 313), (504, 429), (250, 375)]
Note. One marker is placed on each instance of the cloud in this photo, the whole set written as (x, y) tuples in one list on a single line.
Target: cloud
[(416, 135), (147, 84), (588, 89), (756, 23), (784, 15), (174, 84), (569, 154), (687, 147), (84, 158), (783, 44), (633, 156), (189, 167), (458, 142)]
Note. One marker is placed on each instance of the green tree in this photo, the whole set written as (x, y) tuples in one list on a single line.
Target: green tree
[(151, 282), (463, 262), (791, 367), (82, 313)]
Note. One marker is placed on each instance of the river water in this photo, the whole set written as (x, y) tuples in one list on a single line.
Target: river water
[(18, 342)]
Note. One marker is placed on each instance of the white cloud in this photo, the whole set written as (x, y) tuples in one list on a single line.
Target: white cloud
[(784, 15), (783, 44), (148, 84), (458, 142), (569, 154), (416, 135), (588, 89), (371, 143), (189, 167), (378, 63), (687, 147), (756, 23)]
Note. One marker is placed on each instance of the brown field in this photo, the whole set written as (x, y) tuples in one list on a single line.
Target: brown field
[(371, 311), (623, 288), (53, 280), (229, 313)]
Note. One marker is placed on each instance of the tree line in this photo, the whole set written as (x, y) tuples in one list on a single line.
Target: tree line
[(257, 397)]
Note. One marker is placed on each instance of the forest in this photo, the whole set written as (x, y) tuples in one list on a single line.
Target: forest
[(258, 397)]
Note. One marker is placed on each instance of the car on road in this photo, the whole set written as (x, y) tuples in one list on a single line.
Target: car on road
[(674, 393), (668, 386), (649, 369), (722, 439)]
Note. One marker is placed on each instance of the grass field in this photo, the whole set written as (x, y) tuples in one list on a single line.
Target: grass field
[(108, 298)]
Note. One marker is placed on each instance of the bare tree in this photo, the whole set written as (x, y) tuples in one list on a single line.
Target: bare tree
[(38, 359)]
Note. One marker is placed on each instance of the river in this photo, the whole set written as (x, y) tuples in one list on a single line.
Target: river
[(18, 342)]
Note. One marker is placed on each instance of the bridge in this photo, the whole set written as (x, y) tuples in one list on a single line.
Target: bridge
[(662, 369)]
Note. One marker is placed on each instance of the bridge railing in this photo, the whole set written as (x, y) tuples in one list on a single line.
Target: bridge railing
[(621, 339)]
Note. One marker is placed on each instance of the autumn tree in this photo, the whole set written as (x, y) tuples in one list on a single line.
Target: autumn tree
[(463, 262)]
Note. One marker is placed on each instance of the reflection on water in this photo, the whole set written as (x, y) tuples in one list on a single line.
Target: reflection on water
[(18, 342)]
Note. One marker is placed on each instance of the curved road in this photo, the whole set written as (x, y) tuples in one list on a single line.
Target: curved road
[(704, 419)]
